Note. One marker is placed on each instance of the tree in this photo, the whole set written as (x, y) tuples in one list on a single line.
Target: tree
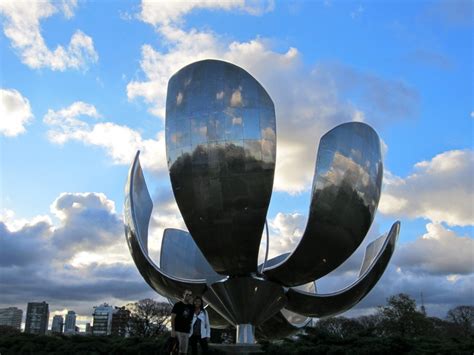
[(463, 317), (400, 317), (371, 324), (6, 329), (148, 318), (340, 327)]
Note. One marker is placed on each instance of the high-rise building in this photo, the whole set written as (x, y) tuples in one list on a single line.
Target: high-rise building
[(102, 320), (11, 317), (70, 323), (37, 317), (120, 321), (57, 326)]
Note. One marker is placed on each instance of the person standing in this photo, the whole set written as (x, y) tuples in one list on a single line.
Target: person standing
[(200, 327), (181, 318)]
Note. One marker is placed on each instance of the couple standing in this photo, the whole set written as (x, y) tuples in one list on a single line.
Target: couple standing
[(190, 322)]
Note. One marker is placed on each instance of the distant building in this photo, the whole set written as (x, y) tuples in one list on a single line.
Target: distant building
[(102, 320), (11, 317), (37, 317), (57, 326), (70, 323), (88, 329), (120, 321)]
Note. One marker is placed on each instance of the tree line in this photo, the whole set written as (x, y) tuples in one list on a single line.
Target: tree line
[(397, 327)]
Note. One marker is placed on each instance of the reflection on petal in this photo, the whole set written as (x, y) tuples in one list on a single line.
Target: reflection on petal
[(180, 257), (345, 195), (223, 180)]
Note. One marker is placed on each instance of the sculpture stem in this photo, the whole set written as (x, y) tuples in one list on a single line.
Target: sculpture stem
[(245, 334)]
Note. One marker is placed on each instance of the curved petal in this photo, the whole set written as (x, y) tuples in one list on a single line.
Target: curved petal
[(323, 305), (180, 257), (285, 322), (221, 146), (137, 212), (345, 195), (216, 320), (273, 261), (277, 327), (230, 298)]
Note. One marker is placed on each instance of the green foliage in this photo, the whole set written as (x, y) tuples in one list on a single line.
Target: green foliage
[(400, 317), (87, 345), (397, 328), (463, 318)]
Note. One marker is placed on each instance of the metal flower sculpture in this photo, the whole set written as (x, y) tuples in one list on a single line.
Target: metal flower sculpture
[(221, 148)]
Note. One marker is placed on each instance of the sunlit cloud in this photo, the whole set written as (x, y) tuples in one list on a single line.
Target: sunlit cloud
[(308, 100), (119, 142), (440, 189), (15, 112), (22, 27)]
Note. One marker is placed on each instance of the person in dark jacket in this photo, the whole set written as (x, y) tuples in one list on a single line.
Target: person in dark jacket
[(181, 318)]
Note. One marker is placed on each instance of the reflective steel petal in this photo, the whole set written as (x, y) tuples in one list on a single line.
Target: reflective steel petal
[(345, 195), (322, 305), (285, 322), (245, 300), (216, 320), (137, 212), (220, 146), (276, 327), (180, 257)]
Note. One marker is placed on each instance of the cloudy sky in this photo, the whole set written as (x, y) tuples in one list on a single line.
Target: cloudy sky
[(83, 87)]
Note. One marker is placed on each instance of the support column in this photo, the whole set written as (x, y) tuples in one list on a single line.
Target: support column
[(245, 334)]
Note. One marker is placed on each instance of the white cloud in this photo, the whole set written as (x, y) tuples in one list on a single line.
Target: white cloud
[(307, 100), (75, 263), (439, 263), (285, 231), (165, 12), (14, 223), (15, 112), (440, 251), (120, 142), (22, 27), (83, 260), (441, 190)]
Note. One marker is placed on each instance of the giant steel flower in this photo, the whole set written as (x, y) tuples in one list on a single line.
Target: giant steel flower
[(221, 149)]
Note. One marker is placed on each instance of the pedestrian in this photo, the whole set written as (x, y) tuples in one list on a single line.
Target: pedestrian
[(200, 327), (181, 318)]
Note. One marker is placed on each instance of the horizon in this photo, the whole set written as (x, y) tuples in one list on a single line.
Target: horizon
[(83, 87)]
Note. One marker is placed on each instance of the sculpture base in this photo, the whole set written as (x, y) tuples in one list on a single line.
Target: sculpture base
[(237, 348)]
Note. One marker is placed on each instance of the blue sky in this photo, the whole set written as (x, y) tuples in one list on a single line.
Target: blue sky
[(83, 86)]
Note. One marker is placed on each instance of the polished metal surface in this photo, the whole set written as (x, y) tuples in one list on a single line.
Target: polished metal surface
[(277, 327), (274, 261), (221, 146), (245, 300), (371, 252), (323, 305), (137, 212), (345, 195), (245, 334), (180, 257), (267, 247), (216, 320)]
